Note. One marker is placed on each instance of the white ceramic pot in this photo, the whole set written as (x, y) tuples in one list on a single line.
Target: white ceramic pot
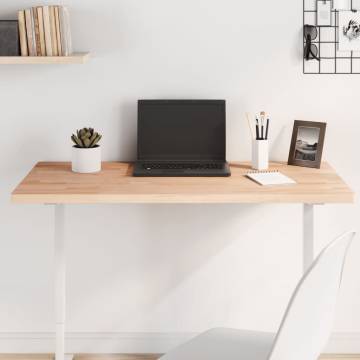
[(86, 161)]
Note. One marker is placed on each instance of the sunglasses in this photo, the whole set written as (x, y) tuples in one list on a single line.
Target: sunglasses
[(311, 50)]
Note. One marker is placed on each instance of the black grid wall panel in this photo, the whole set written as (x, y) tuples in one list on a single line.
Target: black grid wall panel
[(332, 61)]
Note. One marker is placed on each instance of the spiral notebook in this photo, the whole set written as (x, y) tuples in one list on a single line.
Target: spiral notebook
[(271, 177)]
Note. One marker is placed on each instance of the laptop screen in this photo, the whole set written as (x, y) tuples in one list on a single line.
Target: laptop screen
[(181, 130)]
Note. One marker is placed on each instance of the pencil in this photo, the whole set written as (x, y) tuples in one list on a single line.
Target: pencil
[(257, 130), (267, 129), (250, 127), (262, 117)]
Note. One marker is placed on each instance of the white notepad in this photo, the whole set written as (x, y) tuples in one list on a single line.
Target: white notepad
[(270, 178)]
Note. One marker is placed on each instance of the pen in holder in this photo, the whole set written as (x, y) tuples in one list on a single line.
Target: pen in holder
[(260, 154), (260, 142)]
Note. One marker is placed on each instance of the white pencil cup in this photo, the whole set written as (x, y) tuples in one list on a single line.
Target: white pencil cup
[(260, 154)]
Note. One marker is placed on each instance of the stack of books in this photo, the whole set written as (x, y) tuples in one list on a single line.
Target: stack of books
[(45, 31)]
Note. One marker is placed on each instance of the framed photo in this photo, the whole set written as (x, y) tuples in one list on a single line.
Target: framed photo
[(307, 144), (349, 31)]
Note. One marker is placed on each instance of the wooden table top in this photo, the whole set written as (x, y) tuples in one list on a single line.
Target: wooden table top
[(55, 183)]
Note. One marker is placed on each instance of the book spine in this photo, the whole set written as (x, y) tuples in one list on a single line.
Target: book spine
[(53, 31), (47, 31), (58, 34), (41, 31), (63, 32), (22, 33), (67, 30), (34, 15), (29, 32)]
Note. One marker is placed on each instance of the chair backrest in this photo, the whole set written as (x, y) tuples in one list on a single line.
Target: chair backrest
[(308, 320)]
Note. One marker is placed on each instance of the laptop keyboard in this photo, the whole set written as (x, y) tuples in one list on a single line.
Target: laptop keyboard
[(183, 166)]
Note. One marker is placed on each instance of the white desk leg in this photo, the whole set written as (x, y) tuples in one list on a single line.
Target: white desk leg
[(308, 236), (59, 257)]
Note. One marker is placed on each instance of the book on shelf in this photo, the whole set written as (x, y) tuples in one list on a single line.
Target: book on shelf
[(66, 43), (58, 32), (22, 33), (36, 30), (41, 30), (45, 31), (29, 33), (53, 31)]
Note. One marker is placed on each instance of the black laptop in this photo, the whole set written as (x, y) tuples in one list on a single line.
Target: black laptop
[(181, 138)]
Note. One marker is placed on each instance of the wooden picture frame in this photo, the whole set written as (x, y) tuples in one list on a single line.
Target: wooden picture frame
[(307, 144)]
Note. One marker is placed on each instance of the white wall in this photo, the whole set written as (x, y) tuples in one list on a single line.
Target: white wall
[(169, 269)]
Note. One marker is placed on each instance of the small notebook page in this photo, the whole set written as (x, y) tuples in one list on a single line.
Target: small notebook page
[(270, 178)]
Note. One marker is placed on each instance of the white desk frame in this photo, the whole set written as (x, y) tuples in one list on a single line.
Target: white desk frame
[(60, 267)]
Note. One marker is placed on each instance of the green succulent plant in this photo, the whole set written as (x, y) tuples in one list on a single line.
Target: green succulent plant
[(86, 138)]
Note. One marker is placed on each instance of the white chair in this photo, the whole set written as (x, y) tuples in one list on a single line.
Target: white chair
[(304, 330)]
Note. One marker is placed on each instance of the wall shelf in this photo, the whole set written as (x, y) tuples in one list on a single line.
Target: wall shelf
[(76, 58)]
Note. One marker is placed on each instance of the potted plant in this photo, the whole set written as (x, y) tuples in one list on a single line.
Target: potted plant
[(86, 153)]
